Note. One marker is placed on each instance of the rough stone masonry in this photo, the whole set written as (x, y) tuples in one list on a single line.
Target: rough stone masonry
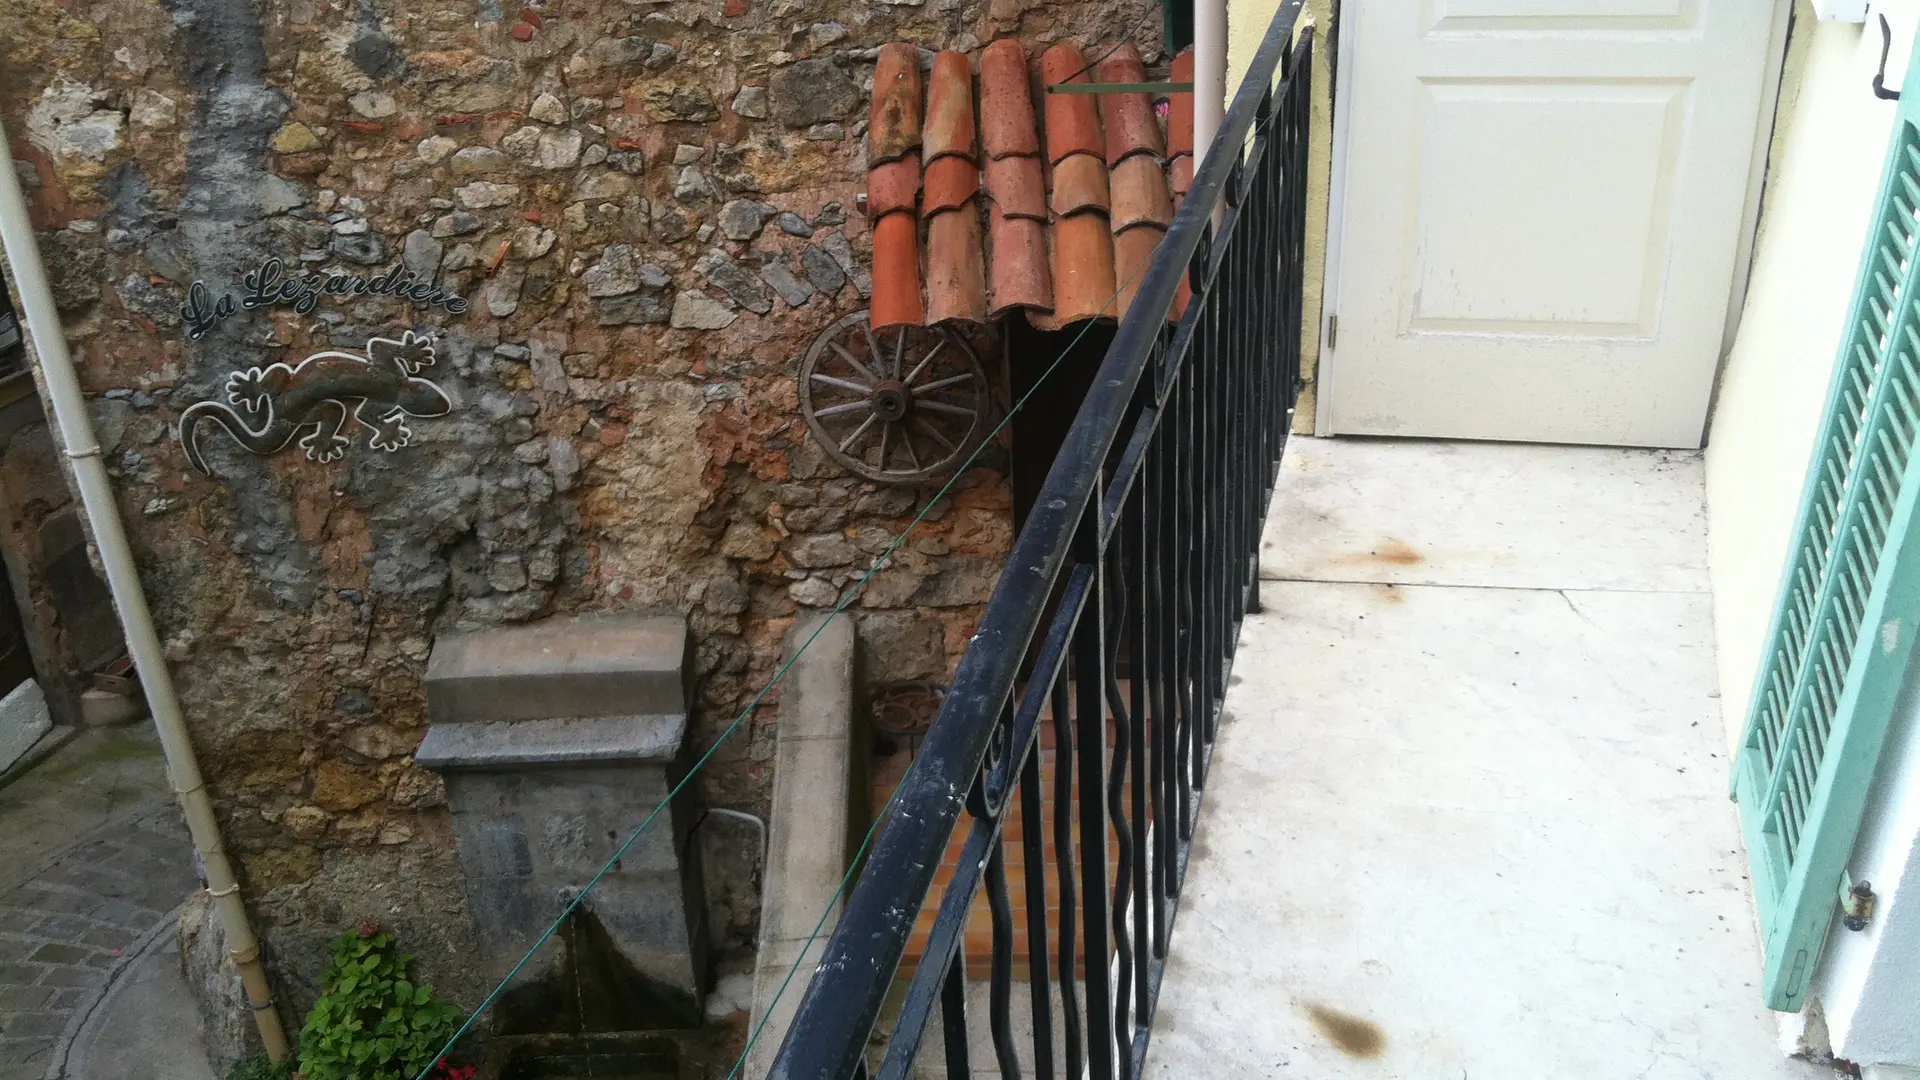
[(650, 209)]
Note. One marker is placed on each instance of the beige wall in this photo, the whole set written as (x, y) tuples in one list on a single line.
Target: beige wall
[(1247, 22), (1824, 168)]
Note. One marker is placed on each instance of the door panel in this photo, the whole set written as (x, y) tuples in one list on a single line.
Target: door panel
[(1542, 206)]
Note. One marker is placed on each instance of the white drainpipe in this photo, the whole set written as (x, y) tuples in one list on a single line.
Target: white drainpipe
[(123, 581), (1209, 78)]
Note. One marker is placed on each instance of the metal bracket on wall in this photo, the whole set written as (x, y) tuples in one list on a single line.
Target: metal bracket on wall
[(1880, 77), (1856, 902)]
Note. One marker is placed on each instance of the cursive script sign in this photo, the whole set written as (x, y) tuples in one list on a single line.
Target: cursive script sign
[(271, 285)]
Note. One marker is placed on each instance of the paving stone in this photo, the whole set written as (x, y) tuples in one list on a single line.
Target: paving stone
[(54, 953), (69, 977), (29, 1025), (25, 998), (20, 974)]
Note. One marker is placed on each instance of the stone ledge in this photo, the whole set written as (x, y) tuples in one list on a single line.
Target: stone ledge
[(586, 666), (495, 744)]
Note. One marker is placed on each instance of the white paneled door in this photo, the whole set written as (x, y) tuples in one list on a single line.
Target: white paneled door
[(1541, 209)]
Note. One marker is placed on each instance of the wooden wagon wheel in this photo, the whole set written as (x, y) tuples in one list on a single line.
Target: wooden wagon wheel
[(897, 406)]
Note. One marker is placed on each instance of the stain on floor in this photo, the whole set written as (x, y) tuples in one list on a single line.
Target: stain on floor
[(1351, 1035), (1390, 551)]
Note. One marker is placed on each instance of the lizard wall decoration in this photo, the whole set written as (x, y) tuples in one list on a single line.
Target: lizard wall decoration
[(328, 395)]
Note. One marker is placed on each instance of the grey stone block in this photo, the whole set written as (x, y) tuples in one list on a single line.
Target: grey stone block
[(556, 742), (588, 666), (815, 786), (564, 741)]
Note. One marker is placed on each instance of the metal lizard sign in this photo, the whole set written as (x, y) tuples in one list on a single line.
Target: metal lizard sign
[(328, 395)]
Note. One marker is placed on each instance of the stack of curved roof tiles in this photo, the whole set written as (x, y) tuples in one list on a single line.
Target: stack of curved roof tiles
[(1078, 194)]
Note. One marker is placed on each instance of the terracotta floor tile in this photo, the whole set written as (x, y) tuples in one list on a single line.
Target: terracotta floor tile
[(951, 183), (896, 297), (1018, 186), (1131, 252), (1073, 120), (1079, 183), (893, 124), (1180, 107), (956, 274), (893, 186), (1007, 123), (949, 126), (1082, 268), (1131, 126), (1019, 272), (1139, 194)]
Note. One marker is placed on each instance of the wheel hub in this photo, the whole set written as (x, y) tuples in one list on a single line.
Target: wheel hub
[(891, 401)]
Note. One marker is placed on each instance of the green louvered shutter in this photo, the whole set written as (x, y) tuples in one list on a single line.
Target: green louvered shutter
[(1843, 628)]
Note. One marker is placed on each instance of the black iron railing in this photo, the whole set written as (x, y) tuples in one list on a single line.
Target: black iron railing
[(1132, 574)]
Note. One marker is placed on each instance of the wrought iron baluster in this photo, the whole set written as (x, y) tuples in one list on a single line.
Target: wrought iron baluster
[(1000, 985), (1090, 720), (953, 1017), (1063, 854), (1033, 847), (1114, 624)]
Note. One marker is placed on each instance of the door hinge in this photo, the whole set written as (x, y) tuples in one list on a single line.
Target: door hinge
[(1333, 331)]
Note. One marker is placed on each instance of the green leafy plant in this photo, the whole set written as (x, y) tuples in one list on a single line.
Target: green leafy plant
[(258, 1066), (371, 1022)]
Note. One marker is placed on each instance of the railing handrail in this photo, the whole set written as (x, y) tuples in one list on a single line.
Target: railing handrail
[(861, 957)]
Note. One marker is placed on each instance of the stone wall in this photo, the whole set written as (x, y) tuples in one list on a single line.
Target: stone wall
[(649, 208)]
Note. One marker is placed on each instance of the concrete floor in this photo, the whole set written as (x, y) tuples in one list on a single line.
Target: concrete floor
[(1468, 815)]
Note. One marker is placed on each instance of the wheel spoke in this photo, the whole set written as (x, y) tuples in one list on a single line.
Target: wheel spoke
[(851, 362), (906, 440), (873, 344), (899, 351), (941, 384), (924, 361), (847, 445), (930, 429), (943, 407), (837, 410), (842, 384), (885, 430)]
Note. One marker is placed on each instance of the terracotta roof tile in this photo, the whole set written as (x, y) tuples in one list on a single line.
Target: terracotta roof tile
[(1130, 124), (1007, 124), (1079, 183), (956, 281), (896, 272), (949, 127), (1131, 252), (1082, 268), (1181, 169), (1180, 107), (1018, 186), (893, 124), (1139, 194), (892, 187), (1020, 274), (1073, 120), (952, 183)]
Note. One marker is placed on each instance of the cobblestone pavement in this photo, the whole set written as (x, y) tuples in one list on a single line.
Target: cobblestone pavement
[(93, 856)]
